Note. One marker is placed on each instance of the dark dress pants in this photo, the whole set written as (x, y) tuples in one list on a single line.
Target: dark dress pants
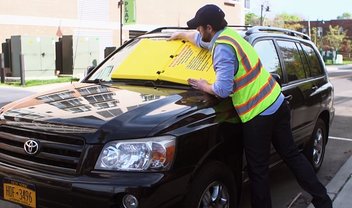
[(258, 134)]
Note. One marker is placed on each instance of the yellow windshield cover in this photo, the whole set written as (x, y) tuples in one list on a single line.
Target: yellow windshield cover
[(174, 61)]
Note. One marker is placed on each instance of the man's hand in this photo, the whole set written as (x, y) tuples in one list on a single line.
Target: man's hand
[(201, 84), (184, 35), (198, 84), (177, 36)]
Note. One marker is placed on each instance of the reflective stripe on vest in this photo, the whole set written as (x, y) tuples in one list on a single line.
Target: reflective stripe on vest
[(242, 81), (254, 88), (243, 56), (256, 99)]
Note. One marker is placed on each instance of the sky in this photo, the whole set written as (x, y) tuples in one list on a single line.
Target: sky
[(307, 9)]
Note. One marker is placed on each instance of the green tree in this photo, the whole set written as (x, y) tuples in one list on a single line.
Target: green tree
[(335, 37), (346, 46), (252, 19), (345, 15), (287, 21)]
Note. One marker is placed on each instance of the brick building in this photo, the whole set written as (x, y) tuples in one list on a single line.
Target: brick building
[(323, 26)]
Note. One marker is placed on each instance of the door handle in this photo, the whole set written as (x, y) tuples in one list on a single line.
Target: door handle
[(288, 97), (314, 87)]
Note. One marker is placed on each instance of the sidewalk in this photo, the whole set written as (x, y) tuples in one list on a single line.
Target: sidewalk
[(339, 68), (340, 187)]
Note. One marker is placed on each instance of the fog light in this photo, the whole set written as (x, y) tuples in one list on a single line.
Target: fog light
[(129, 201)]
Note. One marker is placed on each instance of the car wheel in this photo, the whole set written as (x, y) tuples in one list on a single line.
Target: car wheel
[(315, 149), (213, 186)]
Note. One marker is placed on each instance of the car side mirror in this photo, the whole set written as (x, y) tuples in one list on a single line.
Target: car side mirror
[(90, 68)]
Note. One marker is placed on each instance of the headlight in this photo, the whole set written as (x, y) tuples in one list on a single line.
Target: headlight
[(150, 154)]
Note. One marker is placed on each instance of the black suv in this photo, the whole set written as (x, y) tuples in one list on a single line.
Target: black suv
[(125, 142)]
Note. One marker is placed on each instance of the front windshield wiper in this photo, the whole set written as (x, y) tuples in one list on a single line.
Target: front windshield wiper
[(146, 83), (151, 83)]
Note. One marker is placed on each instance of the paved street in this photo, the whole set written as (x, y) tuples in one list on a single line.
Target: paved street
[(8, 94)]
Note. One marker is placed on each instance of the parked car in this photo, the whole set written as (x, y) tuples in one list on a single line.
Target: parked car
[(140, 141)]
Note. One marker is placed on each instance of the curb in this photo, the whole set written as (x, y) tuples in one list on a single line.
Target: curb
[(340, 187)]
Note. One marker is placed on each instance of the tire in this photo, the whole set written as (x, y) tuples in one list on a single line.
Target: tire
[(315, 150), (213, 186)]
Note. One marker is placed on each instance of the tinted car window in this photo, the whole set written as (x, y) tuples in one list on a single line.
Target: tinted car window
[(304, 59), (314, 64), (292, 61), (268, 55)]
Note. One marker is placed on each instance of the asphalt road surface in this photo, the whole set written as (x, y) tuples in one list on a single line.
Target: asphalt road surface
[(9, 94)]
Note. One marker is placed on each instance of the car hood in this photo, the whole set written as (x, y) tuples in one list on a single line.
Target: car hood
[(94, 110)]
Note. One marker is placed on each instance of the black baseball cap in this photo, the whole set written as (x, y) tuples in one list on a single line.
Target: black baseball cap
[(209, 14)]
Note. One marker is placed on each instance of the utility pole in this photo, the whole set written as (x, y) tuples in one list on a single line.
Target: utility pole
[(267, 9), (22, 70), (2, 68), (120, 5), (261, 14), (309, 32)]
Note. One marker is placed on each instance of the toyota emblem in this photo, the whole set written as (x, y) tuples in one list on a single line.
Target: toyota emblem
[(31, 147)]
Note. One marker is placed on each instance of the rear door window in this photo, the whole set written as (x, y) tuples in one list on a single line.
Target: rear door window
[(292, 61), (315, 67), (268, 56)]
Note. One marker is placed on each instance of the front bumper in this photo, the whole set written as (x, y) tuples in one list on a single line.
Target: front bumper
[(99, 189)]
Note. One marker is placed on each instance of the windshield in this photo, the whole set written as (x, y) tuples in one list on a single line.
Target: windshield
[(156, 59), (105, 70)]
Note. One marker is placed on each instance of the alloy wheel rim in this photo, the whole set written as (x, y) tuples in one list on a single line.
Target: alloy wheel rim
[(318, 147), (216, 195)]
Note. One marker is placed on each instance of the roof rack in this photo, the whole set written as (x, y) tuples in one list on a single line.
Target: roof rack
[(160, 29), (256, 29), (246, 27), (250, 30)]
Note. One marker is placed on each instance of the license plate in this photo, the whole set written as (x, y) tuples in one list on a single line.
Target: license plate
[(18, 192)]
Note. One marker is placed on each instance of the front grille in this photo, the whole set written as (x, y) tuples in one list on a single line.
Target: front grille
[(57, 153)]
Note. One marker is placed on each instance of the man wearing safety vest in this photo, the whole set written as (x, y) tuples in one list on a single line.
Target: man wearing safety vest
[(258, 101)]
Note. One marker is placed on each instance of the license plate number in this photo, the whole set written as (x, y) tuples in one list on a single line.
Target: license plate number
[(18, 192)]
